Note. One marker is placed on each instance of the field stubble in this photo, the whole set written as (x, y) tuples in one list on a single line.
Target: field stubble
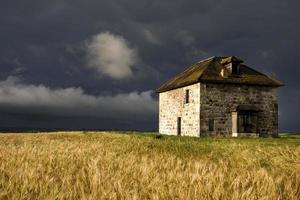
[(131, 166)]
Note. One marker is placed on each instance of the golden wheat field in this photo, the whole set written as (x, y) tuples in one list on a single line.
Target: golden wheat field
[(114, 165)]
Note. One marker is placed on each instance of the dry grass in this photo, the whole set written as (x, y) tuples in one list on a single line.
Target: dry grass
[(131, 166)]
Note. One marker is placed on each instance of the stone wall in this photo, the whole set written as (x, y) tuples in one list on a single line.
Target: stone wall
[(217, 102), (172, 106)]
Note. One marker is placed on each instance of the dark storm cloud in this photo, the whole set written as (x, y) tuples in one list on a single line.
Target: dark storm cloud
[(44, 43), (39, 99)]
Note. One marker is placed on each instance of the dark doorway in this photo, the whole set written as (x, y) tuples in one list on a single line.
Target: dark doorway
[(178, 125), (247, 122)]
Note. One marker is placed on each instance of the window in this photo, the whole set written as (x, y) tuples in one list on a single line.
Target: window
[(178, 125), (235, 68), (211, 124), (187, 96)]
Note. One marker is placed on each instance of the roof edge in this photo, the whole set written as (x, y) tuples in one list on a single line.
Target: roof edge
[(279, 84), (218, 82), (204, 75), (162, 89), (176, 87)]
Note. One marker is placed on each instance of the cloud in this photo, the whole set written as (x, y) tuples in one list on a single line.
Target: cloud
[(73, 101), (188, 31), (184, 38), (151, 37), (111, 55)]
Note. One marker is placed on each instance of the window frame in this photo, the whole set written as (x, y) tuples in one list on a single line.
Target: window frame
[(235, 68), (211, 124), (187, 96)]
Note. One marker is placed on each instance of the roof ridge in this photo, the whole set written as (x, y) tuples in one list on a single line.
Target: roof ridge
[(206, 67), (193, 66), (206, 59)]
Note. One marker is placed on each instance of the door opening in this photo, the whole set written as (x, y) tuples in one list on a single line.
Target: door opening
[(247, 122), (178, 125)]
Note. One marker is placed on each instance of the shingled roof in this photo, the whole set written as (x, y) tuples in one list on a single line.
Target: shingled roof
[(208, 70)]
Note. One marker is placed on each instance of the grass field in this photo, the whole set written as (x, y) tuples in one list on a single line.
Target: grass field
[(85, 165)]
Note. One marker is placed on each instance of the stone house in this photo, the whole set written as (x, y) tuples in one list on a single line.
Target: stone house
[(219, 96)]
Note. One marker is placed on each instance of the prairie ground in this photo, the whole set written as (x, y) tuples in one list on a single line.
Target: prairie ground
[(114, 165)]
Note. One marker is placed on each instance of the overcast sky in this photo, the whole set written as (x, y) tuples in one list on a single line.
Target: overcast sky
[(94, 64)]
